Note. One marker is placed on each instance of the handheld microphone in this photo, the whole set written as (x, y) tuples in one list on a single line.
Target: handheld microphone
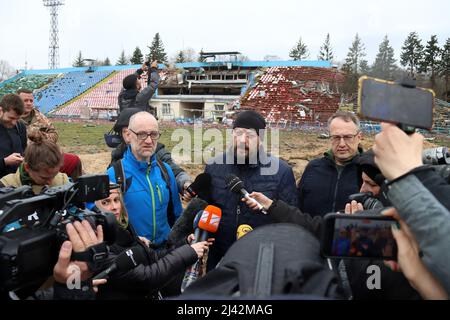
[(127, 260), (237, 186), (207, 222), (242, 230), (201, 186)]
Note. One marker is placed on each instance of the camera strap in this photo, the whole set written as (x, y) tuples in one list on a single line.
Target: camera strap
[(93, 256)]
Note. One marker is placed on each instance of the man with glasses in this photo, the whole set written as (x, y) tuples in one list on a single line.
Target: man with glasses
[(259, 171), (327, 182), (147, 194)]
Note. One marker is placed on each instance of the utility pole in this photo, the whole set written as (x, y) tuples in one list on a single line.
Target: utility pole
[(53, 49)]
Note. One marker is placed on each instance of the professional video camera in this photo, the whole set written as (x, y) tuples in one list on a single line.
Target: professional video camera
[(29, 252)]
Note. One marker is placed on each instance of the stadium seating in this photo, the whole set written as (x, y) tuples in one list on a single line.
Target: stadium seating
[(67, 87)]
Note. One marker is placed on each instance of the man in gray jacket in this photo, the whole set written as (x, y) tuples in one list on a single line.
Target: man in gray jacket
[(420, 195)]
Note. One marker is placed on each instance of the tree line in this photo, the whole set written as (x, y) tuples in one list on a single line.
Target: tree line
[(429, 63)]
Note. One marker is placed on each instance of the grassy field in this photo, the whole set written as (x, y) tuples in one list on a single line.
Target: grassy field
[(297, 148)]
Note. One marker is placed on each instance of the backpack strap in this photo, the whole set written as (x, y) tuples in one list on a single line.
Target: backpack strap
[(170, 212), (120, 175), (264, 270)]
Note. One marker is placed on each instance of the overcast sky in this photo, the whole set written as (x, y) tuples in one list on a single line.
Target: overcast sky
[(102, 28)]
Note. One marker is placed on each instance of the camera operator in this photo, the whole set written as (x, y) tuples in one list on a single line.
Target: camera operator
[(42, 161), (131, 95), (163, 264), (81, 238), (420, 195), (395, 285)]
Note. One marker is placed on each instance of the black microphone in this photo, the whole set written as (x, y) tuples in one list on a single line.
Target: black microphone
[(200, 187), (126, 260), (237, 186), (184, 224)]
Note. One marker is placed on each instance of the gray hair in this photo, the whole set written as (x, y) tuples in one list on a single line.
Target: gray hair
[(139, 115), (347, 116)]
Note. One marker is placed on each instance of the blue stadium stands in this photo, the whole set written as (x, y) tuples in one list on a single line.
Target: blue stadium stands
[(64, 89)]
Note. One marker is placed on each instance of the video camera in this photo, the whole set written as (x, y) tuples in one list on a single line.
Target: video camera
[(33, 227)]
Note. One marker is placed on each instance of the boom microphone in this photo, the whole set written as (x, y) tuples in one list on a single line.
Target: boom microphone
[(184, 224), (237, 186), (125, 261)]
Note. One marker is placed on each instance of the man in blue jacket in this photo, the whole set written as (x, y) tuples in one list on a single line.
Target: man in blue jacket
[(147, 195), (258, 171), (327, 182)]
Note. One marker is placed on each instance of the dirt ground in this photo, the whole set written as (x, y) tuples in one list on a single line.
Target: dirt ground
[(295, 148)]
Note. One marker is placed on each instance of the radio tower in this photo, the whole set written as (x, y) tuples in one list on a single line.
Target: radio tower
[(53, 49)]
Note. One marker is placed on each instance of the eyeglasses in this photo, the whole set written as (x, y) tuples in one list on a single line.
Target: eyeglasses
[(241, 132), (154, 135), (348, 138)]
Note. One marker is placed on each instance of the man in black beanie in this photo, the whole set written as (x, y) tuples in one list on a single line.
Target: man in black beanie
[(131, 95), (259, 171)]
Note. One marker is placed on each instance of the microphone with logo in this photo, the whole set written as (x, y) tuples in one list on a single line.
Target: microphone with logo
[(125, 261), (207, 222), (242, 230), (237, 186)]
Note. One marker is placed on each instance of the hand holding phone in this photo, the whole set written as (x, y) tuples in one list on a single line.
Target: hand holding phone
[(365, 235)]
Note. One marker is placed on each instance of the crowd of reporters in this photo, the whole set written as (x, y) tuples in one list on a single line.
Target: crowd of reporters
[(414, 194)]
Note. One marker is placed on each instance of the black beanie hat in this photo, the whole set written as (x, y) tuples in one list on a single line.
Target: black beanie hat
[(129, 82), (250, 119), (367, 164)]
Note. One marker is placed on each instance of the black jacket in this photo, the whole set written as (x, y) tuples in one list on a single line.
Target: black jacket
[(323, 189), (145, 280), (277, 185), (394, 285), (11, 141), (131, 98)]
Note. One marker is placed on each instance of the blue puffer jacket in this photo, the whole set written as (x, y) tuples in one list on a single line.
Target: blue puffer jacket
[(147, 197), (234, 212)]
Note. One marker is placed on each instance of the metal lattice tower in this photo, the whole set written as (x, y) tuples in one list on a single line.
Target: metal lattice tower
[(53, 49)]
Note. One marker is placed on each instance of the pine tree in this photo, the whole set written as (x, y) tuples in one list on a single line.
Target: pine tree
[(299, 52), (122, 59), (430, 62), (364, 68), (107, 62), (138, 57), (412, 53), (79, 61), (384, 66), (444, 68), (326, 51), (180, 57), (354, 64), (157, 50)]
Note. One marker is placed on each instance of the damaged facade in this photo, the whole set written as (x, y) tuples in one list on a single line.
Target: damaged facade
[(280, 90)]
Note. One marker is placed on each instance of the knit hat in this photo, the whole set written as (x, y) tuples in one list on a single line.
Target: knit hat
[(250, 119), (367, 164), (129, 82)]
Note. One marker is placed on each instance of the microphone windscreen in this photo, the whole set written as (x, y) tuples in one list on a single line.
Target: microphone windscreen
[(210, 219), (130, 258), (202, 182), (184, 224), (234, 183)]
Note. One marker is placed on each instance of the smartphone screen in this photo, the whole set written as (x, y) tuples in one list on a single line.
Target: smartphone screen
[(360, 237), (387, 101)]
